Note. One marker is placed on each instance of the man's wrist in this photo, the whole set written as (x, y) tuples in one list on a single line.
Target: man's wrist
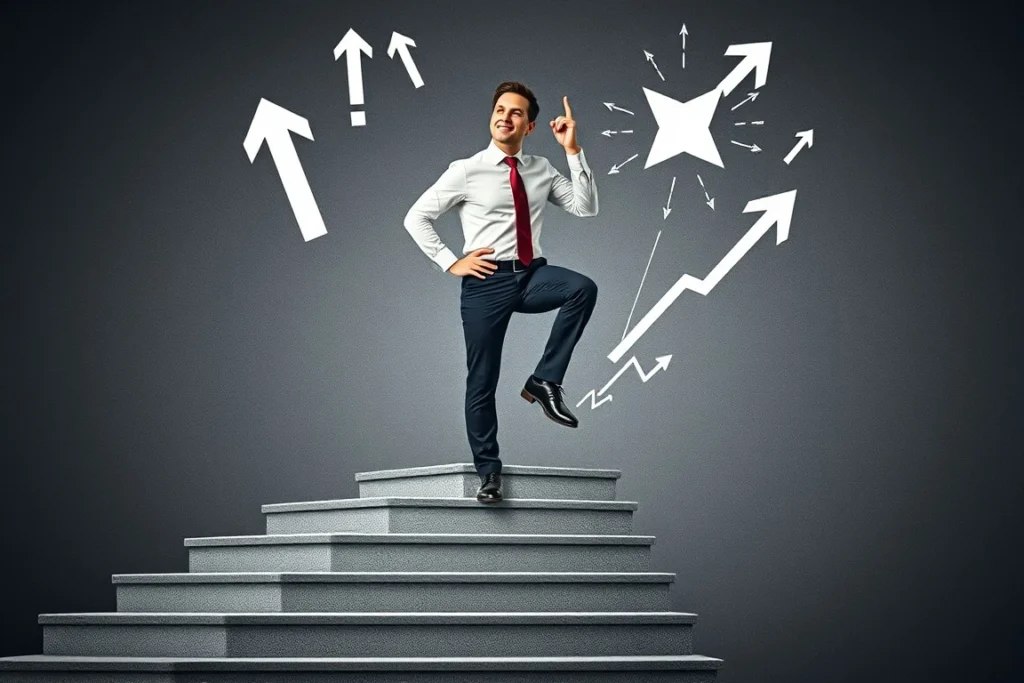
[(573, 150)]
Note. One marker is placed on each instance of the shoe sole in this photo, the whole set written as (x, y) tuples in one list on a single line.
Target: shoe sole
[(488, 500), (531, 398)]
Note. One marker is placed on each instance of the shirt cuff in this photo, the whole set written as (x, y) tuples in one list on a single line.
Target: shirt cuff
[(445, 258), (577, 162)]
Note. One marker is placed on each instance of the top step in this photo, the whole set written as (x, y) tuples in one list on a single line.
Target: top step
[(460, 480)]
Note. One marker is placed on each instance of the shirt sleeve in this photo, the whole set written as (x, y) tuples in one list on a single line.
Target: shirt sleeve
[(449, 190), (579, 195)]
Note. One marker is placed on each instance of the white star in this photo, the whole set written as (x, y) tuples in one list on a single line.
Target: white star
[(683, 127)]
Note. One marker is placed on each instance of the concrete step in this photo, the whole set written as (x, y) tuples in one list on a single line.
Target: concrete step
[(451, 515), (392, 591), (362, 552), (380, 634), (460, 480), (647, 669)]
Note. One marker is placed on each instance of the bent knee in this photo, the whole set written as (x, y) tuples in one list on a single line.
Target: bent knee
[(588, 288)]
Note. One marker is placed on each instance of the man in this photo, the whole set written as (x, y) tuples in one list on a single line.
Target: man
[(500, 194)]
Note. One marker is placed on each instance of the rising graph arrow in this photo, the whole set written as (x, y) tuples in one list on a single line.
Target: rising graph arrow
[(778, 210), (273, 123), (662, 364)]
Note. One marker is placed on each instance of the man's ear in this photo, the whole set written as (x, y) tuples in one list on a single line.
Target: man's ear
[(530, 127)]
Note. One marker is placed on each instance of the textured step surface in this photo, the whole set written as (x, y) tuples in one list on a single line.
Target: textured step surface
[(451, 515), (353, 551), (460, 480), (381, 634), (651, 669), (392, 591)]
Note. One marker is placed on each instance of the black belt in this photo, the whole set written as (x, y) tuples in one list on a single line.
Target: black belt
[(517, 266)]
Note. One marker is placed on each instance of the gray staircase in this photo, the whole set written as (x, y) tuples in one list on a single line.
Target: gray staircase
[(390, 588)]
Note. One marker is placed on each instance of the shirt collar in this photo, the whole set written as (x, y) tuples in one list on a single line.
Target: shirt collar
[(495, 155)]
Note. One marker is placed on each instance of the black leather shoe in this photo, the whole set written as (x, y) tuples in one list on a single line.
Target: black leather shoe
[(550, 396), (490, 488)]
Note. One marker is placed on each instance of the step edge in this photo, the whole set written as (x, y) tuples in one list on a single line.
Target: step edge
[(170, 578), (418, 538), (447, 502), (469, 468)]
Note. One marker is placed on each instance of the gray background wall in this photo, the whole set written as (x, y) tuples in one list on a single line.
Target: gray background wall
[(832, 461)]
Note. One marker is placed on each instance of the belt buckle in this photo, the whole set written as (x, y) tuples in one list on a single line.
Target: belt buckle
[(514, 262)]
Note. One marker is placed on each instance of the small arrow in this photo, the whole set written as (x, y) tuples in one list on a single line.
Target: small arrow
[(777, 210), (806, 139), (273, 123), (401, 44), (710, 201), (611, 106), (683, 32), (353, 47), (753, 123), (662, 364), (752, 148), (667, 209), (756, 57), (650, 58), (616, 167), (751, 96), (609, 133)]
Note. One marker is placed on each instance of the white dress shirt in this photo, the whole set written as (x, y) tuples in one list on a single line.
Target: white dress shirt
[(479, 188)]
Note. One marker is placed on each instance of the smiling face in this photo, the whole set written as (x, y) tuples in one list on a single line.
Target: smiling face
[(509, 120)]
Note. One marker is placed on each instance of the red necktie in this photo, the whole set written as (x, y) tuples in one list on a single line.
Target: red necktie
[(524, 242)]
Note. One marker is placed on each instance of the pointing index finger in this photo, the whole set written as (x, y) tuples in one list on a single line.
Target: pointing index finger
[(568, 110)]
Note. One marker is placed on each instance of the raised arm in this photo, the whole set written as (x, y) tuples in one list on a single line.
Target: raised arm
[(579, 195), (449, 190)]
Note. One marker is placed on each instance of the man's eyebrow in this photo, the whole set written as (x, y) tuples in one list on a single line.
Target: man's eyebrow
[(501, 106)]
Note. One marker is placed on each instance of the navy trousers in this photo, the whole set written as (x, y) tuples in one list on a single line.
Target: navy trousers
[(487, 305)]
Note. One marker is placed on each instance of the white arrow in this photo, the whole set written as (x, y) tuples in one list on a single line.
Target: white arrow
[(806, 139), (662, 364), (710, 201), (650, 58), (667, 209), (616, 167), (753, 123), (753, 148), (609, 133), (751, 96), (778, 210), (402, 44), (613, 107), (756, 56), (594, 403), (272, 123), (353, 46), (683, 32)]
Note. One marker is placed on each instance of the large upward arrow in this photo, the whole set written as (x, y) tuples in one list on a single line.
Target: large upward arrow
[(273, 123), (756, 56), (778, 209)]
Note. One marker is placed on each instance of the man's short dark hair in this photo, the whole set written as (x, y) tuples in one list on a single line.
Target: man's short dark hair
[(519, 89)]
